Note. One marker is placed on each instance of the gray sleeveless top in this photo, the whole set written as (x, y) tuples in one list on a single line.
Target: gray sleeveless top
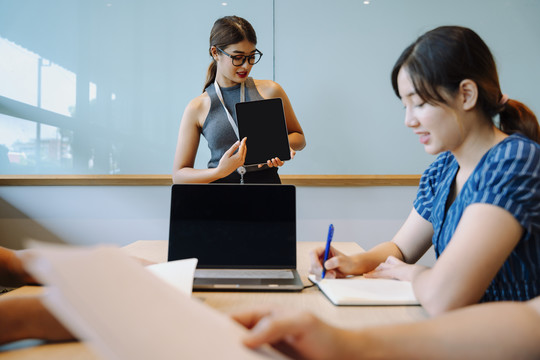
[(216, 128)]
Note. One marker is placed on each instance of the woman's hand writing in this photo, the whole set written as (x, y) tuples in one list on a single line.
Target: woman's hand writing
[(338, 265)]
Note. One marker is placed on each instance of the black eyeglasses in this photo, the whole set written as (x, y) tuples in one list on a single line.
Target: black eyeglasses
[(239, 60)]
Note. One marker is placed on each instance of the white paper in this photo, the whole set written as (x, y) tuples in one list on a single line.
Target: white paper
[(109, 300), (178, 273), (366, 291)]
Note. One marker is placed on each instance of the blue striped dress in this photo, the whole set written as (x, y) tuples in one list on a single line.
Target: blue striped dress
[(508, 175)]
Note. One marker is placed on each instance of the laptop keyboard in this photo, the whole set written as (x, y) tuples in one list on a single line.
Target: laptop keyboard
[(243, 274)]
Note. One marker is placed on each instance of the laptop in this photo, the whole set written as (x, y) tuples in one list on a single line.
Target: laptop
[(244, 236), (263, 123)]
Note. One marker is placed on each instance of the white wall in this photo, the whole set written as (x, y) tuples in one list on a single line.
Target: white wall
[(85, 215), (333, 58)]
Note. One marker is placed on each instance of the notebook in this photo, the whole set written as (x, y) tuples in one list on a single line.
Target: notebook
[(263, 123), (366, 291), (244, 236)]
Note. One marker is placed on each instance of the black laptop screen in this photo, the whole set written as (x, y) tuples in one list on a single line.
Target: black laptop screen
[(234, 226)]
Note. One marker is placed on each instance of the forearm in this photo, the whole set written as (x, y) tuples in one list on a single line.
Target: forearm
[(297, 141), (27, 318), (369, 260), (488, 331), (200, 176), (439, 295), (434, 300)]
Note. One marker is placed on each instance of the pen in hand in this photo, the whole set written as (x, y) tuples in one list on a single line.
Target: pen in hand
[(327, 249)]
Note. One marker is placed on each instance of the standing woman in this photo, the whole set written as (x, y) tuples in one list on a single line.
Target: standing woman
[(233, 49), (479, 202)]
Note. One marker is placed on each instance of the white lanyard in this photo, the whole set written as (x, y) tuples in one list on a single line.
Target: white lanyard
[(241, 170), (242, 99)]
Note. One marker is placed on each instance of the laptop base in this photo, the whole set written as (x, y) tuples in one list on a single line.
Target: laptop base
[(236, 284)]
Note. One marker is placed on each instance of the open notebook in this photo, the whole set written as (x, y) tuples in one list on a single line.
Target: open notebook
[(363, 291)]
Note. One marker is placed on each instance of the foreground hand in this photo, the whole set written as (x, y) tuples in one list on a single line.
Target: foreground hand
[(231, 160), (338, 265), (13, 273), (25, 317), (296, 334), (393, 268)]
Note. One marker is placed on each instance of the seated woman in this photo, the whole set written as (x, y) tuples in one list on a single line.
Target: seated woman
[(479, 202)]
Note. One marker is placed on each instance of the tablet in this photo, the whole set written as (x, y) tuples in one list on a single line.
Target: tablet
[(263, 123)]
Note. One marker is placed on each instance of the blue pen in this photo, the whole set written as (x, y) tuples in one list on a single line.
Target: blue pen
[(327, 250)]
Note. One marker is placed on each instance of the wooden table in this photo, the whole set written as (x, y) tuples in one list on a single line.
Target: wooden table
[(309, 299)]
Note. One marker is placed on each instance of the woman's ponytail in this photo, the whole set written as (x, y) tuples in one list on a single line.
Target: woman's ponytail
[(210, 74), (517, 117)]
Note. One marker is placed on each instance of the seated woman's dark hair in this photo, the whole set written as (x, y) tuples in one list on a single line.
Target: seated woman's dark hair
[(442, 58)]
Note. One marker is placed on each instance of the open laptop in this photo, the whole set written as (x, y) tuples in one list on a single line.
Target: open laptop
[(244, 236), (263, 123)]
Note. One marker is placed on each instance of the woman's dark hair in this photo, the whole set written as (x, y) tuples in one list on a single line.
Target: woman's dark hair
[(226, 31), (441, 59)]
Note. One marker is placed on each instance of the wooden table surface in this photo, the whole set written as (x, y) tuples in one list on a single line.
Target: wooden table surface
[(310, 299)]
